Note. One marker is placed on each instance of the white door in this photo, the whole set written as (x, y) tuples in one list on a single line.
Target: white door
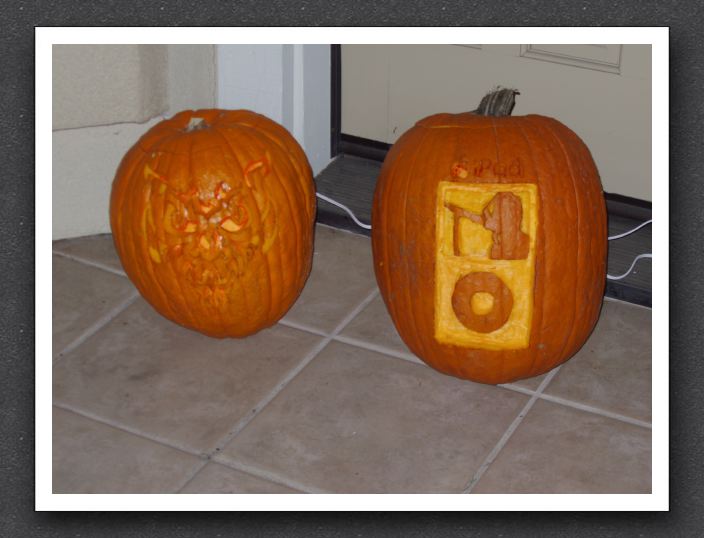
[(602, 92)]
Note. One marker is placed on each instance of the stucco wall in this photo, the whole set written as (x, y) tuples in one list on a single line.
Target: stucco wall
[(105, 84)]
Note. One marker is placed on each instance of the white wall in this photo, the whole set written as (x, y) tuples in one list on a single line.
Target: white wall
[(251, 77), (83, 167), (290, 84), (192, 77)]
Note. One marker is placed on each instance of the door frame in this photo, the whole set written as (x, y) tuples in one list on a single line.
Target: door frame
[(341, 143), (287, 83)]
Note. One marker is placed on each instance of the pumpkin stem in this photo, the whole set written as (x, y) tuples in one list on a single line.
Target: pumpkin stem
[(195, 124), (498, 102)]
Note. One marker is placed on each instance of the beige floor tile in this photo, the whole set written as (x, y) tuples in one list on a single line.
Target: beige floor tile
[(374, 325), (613, 371), (90, 457), (143, 371), (216, 478), (558, 449), (94, 248), (351, 421), (359, 422), (342, 275), (81, 295)]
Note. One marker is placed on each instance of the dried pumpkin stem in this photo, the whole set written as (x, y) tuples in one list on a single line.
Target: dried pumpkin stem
[(195, 124), (498, 102)]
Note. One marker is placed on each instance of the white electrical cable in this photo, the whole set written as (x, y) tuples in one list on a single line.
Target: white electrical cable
[(624, 234), (619, 277), (338, 204), (640, 256)]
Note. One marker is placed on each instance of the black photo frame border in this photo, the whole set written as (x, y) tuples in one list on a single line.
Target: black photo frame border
[(17, 190)]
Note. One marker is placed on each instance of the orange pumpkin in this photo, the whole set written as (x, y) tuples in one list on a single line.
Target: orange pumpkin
[(489, 239), (212, 214)]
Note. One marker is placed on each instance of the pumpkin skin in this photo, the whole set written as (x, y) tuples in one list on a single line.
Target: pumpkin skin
[(531, 209), (212, 214)]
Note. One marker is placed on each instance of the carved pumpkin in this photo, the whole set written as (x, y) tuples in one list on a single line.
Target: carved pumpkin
[(489, 239), (212, 214)]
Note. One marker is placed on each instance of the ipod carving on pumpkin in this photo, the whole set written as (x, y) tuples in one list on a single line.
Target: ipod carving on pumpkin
[(485, 264)]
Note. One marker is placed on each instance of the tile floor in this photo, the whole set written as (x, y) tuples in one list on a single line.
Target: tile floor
[(328, 400)]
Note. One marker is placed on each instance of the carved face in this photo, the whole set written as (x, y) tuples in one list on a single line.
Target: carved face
[(213, 229), (212, 215)]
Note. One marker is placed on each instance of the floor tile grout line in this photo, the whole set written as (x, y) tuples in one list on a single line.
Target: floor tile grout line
[(508, 433), (378, 348), (128, 429), (179, 489), (91, 263), (302, 327), (579, 406), (517, 388), (259, 407), (176, 446), (265, 475), (99, 324), (595, 410)]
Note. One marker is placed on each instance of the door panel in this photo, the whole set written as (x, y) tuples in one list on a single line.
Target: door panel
[(602, 92), (605, 58)]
